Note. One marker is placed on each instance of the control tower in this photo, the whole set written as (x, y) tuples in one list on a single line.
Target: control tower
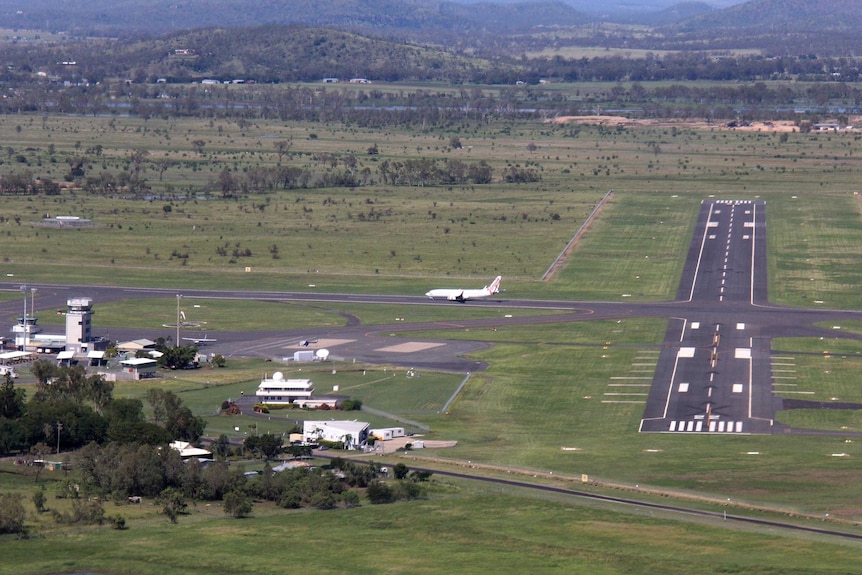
[(79, 324), (25, 331)]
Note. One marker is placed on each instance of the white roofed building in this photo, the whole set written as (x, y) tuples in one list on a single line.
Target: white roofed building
[(278, 390), (353, 434), (189, 451), (139, 367)]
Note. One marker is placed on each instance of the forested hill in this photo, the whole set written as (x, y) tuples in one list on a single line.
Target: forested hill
[(384, 17), (824, 28), (264, 54), (785, 16)]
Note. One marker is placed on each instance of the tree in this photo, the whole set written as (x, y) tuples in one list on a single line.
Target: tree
[(177, 356), (237, 504), (400, 470), (12, 514), (298, 451), (178, 420), (266, 446), (162, 165), (39, 499), (173, 503), (11, 399), (184, 425), (100, 391), (39, 451), (137, 157), (282, 147), (163, 402), (43, 370), (221, 446), (12, 436)]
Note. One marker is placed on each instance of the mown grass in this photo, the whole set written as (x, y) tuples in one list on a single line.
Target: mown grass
[(457, 529), (232, 314)]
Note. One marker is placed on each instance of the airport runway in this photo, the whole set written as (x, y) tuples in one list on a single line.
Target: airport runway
[(714, 373)]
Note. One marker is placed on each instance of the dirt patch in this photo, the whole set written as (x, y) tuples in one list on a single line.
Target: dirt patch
[(393, 445), (410, 347), (777, 126)]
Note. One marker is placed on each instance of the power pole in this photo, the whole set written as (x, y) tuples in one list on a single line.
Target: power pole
[(59, 429)]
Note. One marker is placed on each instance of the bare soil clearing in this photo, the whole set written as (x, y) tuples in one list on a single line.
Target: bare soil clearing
[(775, 126)]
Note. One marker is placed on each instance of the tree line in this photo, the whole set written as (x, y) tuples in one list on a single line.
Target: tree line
[(70, 409), (379, 110)]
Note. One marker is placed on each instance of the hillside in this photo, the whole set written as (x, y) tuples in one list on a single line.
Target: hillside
[(775, 27), (780, 16), (281, 54), (386, 17)]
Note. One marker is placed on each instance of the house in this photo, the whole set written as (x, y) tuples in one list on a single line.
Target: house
[(330, 80), (353, 434)]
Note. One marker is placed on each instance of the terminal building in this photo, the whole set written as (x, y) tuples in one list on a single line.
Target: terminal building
[(300, 392), (277, 390)]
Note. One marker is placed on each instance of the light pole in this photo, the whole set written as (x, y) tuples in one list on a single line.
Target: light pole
[(179, 297)]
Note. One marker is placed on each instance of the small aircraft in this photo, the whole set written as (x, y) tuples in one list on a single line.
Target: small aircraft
[(201, 340), (307, 342), (462, 295)]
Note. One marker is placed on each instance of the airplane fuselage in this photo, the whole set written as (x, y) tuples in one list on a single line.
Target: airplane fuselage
[(462, 295)]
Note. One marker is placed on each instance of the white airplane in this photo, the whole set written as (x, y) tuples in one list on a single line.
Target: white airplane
[(462, 295), (200, 340)]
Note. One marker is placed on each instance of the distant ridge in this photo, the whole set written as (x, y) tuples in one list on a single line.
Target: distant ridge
[(386, 17), (804, 16)]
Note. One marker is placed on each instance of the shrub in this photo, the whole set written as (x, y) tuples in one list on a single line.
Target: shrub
[(12, 514), (117, 522), (236, 504), (378, 492)]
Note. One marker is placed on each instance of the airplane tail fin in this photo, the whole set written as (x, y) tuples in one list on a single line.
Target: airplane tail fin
[(495, 285)]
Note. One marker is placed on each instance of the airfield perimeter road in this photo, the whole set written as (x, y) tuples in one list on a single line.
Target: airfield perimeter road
[(713, 374)]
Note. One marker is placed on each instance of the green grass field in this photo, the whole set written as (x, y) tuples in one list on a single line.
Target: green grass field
[(546, 404), (457, 529)]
